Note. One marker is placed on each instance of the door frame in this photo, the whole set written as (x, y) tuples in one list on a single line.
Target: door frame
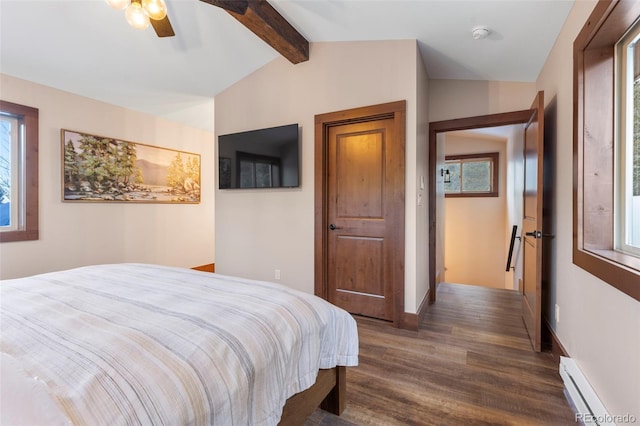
[(435, 127), (395, 111)]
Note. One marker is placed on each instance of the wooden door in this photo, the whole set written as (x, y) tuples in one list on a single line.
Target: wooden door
[(360, 234), (360, 209), (532, 232)]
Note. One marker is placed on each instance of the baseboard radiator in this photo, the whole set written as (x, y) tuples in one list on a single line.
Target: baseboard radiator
[(589, 408)]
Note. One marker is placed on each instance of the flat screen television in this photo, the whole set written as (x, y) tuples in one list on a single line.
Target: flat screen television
[(264, 158)]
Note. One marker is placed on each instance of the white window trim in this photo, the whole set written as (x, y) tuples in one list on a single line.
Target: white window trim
[(623, 137), (16, 174)]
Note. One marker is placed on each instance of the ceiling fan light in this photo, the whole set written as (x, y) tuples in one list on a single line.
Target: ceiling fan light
[(156, 9), (118, 4), (136, 16)]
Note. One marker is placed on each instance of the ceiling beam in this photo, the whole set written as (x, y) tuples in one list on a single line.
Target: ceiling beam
[(237, 6), (265, 22)]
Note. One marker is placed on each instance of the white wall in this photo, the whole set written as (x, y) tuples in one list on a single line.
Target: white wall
[(258, 231), (76, 234), (421, 177), (515, 202), (599, 326), (474, 232)]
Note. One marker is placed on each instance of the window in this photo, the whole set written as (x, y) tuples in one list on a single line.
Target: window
[(18, 172), (8, 178), (603, 204), (473, 175), (627, 139)]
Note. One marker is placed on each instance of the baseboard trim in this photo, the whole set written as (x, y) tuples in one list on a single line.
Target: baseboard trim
[(412, 321), (553, 344), (209, 267), (422, 310)]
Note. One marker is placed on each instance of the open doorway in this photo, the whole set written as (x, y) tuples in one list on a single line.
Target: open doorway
[(533, 191), (482, 180), (437, 131)]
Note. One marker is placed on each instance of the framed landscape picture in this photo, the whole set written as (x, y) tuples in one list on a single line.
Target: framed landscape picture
[(102, 169)]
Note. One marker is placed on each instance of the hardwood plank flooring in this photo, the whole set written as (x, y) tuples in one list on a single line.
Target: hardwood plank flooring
[(470, 363)]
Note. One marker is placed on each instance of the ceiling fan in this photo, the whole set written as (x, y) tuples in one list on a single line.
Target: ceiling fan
[(141, 13)]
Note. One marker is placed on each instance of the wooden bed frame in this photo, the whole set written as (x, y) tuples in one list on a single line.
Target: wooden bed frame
[(328, 393)]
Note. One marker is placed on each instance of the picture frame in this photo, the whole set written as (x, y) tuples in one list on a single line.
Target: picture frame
[(103, 169)]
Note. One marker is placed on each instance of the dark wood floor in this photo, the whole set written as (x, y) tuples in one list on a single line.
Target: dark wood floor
[(471, 363)]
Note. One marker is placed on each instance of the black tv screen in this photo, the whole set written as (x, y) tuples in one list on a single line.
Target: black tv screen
[(265, 158)]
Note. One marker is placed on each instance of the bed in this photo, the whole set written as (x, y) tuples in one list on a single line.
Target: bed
[(147, 344)]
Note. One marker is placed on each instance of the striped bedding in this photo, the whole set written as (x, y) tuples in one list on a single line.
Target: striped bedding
[(135, 344)]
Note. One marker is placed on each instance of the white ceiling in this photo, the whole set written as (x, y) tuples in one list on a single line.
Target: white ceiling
[(85, 47)]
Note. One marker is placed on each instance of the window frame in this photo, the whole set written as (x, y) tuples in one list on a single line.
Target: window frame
[(14, 178), (28, 229), (494, 157), (627, 79), (594, 120)]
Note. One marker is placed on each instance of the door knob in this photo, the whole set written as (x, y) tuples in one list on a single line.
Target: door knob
[(333, 227)]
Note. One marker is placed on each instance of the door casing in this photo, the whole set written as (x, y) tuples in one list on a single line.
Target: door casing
[(478, 122), (531, 313), (397, 112)]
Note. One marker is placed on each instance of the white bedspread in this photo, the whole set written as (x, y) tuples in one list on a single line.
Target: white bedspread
[(134, 344)]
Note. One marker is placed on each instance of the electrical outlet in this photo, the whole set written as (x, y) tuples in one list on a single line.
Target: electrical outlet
[(277, 274), (557, 313)]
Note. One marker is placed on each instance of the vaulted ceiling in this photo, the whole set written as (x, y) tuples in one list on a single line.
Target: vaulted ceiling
[(87, 48)]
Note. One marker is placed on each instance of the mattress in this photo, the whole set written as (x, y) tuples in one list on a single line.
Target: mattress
[(154, 345)]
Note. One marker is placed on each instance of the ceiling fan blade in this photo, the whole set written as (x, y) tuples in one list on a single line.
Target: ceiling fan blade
[(163, 27), (235, 6)]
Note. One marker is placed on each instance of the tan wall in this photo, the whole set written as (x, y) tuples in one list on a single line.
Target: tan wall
[(75, 234), (258, 231), (467, 98), (599, 326), (474, 232)]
